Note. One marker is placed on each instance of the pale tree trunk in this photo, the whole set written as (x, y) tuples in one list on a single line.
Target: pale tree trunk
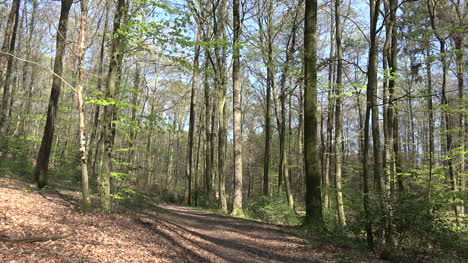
[(94, 133), (339, 119), (193, 94), (109, 110), (22, 127), (446, 120), (284, 136), (390, 57), (6, 64), (42, 166), (237, 114), (86, 202), (312, 164), (430, 109), (370, 103), (221, 83)]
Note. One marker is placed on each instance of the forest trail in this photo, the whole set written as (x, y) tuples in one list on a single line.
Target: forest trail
[(165, 233), (209, 237)]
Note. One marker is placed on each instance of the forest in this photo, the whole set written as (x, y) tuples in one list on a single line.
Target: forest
[(336, 127)]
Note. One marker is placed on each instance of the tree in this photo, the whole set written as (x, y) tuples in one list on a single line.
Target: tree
[(339, 117), (42, 164), (312, 172), (6, 63), (237, 113), (371, 106), (107, 135), (86, 202)]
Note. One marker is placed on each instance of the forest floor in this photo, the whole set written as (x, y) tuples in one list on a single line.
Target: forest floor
[(46, 226)]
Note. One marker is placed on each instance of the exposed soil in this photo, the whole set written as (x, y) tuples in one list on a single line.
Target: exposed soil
[(168, 234)]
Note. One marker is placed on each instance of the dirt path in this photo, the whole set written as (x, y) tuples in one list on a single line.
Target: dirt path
[(208, 237), (157, 234)]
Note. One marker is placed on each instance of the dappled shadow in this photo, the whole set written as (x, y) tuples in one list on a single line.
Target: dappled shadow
[(208, 237)]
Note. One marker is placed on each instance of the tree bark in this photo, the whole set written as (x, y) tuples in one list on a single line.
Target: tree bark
[(370, 105), (312, 165), (237, 113), (6, 63), (86, 201), (109, 110), (42, 166), (193, 94), (339, 118)]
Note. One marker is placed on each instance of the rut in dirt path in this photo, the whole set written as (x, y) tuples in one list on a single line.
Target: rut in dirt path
[(208, 237)]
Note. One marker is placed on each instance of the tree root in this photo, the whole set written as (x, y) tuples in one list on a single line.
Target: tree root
[(36, 239)]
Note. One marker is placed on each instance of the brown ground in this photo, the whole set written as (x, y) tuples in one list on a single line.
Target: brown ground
[(170, 234)]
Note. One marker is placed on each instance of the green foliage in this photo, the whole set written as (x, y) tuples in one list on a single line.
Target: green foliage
[(274, 210), (420, 223)]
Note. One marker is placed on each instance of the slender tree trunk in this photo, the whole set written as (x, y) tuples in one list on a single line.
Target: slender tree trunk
[(237, 113), (26, 67), (221, 83), (339, 118), (195, 82), (208, 132), (86, 202), (269, 86), (328, 149), (112, 83), (370, 105), (430, 109), (284, 136), (42, 165), (6, 63), (312, 164), (460, 51), (94, 133)]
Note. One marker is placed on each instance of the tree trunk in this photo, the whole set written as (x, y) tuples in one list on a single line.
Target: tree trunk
[(86, 202), (6, 64), (370, 105), (339, 119), (269, 86), (195, 80), (94, 133), (237, 113), (109, 110), (312, 165), (42, 166), (26, 67)]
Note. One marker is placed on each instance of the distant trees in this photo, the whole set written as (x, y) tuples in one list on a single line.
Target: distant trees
[(356, 122)]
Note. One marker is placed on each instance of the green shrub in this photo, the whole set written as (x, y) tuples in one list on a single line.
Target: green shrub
[(273, 210)]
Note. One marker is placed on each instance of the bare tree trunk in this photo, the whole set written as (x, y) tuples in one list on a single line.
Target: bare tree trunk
[(237, 114), (86, 202), (460, 51), (6, 63), (208, 133), (195, 81), (42, 166), (370, 105), (312, 164), (269, 86), (339, 118), (94, 133), (112, 83)]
